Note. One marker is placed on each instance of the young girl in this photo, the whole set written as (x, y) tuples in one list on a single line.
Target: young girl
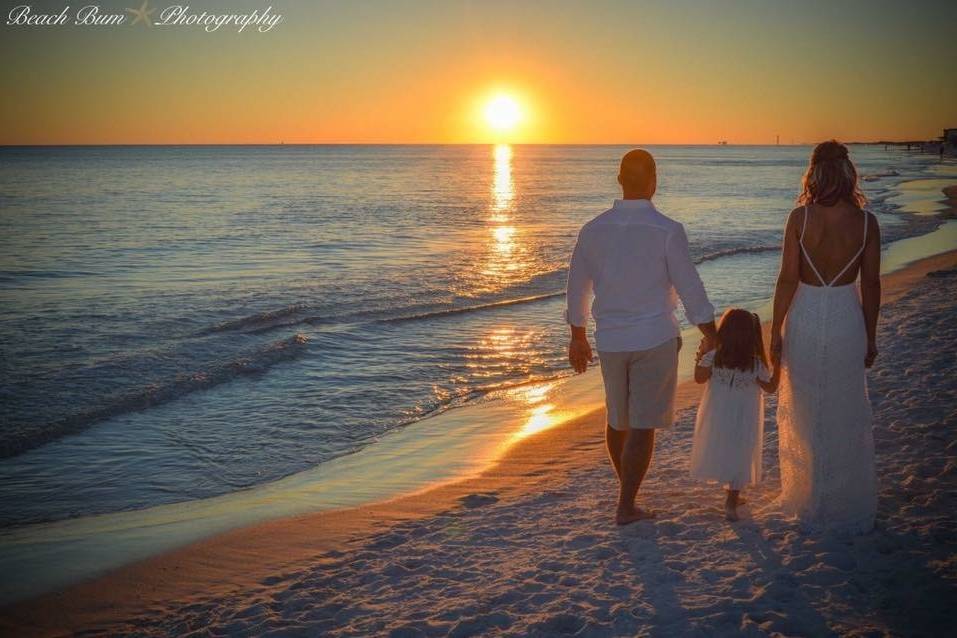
[(729, 429)]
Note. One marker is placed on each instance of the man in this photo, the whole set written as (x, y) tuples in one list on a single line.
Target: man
[(634, 259)]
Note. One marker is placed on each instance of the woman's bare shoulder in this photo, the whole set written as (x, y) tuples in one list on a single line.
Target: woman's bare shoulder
[(795, 217), (856, 215)]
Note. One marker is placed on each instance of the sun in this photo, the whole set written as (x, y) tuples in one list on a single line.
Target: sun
[(503, 113)]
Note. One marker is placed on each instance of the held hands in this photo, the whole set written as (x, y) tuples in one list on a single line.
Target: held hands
[(775, 379), (705, 346), (579, 354)]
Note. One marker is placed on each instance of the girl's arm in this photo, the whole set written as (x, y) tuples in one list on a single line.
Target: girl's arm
[(701, 374), (871, 286), (788, 279)]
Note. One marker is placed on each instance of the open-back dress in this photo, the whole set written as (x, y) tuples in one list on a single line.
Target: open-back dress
[(826, 442)]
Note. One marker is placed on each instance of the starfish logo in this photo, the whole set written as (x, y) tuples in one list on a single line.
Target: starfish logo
[(142, 14)]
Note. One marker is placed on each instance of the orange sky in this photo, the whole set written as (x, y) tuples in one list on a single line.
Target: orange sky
[(418, 72)]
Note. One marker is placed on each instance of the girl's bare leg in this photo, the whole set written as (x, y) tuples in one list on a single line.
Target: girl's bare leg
[(731, 503)]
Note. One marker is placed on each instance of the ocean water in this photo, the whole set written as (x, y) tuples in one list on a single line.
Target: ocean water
[(183, 322)]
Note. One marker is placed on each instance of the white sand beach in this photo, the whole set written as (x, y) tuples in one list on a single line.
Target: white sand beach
[(530, 549)]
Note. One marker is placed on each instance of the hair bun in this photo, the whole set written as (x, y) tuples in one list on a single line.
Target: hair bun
[(830, 150)]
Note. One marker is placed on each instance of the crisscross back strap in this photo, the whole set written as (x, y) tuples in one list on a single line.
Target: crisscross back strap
[(804, 250), (856, 255), (846, 266)]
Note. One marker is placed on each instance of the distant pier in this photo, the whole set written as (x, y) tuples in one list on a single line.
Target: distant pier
[(946, 144)]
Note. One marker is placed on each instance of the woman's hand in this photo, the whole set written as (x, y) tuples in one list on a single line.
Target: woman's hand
[(579, 354), (871, 354)]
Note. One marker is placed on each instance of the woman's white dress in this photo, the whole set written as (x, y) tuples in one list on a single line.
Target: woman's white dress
[(825, 437), (729, 428)]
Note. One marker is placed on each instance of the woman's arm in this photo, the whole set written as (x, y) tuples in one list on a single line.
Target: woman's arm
[(701, 374), (788, 280), (871, 286)]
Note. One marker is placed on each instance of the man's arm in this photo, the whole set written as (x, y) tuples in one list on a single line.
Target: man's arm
[(577, 299), (684, 277)]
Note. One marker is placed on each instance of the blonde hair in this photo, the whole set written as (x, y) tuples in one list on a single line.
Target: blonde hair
[(831, 177)]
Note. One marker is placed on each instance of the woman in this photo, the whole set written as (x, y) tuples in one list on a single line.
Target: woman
[(823, 335)]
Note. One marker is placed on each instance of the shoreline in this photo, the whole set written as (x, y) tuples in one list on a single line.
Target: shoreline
[(237, 561)]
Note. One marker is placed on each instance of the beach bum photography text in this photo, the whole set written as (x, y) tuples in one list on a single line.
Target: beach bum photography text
[(177, 15)]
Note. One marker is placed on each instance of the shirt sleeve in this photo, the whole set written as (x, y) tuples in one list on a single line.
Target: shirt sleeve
[(684, 277), (579, 291), (762, 372), (707, 359)]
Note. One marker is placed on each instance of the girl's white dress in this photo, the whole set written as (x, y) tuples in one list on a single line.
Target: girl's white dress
[(729, 429)]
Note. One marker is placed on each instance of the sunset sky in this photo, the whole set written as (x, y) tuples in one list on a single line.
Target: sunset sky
[(408, 71)]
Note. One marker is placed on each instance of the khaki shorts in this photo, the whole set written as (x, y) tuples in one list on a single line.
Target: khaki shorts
[(640, 386)]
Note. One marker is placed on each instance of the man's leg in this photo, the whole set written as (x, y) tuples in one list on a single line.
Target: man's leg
[(614, 374), (651, 379), (635, 459), (615, 442)]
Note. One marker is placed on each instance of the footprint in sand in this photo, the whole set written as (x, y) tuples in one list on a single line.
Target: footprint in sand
[(478, 500)]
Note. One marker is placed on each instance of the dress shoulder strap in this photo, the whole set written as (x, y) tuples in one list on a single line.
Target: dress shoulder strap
[(804, 250)]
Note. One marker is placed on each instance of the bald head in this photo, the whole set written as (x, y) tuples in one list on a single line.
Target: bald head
[(637, 175)]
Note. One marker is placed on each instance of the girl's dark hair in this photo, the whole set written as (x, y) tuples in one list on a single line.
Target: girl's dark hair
[(831, 177), (740, 341)]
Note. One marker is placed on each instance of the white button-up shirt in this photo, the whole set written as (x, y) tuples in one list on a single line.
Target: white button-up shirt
[(634, 259)]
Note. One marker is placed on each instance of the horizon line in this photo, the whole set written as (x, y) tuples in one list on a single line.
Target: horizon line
[(181, 144)]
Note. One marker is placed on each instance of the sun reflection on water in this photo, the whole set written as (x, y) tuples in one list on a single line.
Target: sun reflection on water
[(540, 418), (506, 346), (541, 413), (503, 190), (503, 235), (508, 255)]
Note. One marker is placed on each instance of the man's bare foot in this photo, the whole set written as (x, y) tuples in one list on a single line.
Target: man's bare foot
[(634, 515)]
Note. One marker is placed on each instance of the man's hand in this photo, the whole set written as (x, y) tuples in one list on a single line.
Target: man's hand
[(579, 354), (709, 338)]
